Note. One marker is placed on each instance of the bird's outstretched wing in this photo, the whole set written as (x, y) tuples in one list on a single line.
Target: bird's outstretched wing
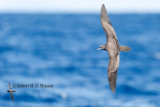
[(112, 71), (104, 15), (12, 97), (106, 24), (10, 86)]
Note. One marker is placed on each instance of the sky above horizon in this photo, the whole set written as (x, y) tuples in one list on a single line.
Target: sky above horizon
[(81, 6)]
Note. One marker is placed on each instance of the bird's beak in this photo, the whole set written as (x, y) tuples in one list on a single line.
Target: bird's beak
[(98, 48)]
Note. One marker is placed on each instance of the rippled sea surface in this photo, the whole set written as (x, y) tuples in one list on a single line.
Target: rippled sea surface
[(60, 50)]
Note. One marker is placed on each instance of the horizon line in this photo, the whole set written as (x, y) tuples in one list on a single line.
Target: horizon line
[(78, 12)]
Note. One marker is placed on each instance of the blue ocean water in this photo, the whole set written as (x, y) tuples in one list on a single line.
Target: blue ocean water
[(60, 50)]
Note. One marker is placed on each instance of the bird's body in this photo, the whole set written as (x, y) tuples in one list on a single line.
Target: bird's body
[(11, 91), (112, 47)]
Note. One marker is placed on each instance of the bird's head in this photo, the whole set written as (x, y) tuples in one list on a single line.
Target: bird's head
[(103, 47)]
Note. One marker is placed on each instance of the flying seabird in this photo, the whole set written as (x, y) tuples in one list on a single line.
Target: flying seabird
[(113, 48), (11, 91)]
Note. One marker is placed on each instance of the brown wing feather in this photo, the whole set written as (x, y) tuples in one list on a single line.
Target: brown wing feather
[(12, 97), (112, 80), (112, 72), (10, 86), (104, 15), (106, 24)]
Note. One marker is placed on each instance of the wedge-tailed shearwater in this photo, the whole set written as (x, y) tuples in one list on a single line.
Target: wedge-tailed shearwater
[(113, 48), (11, 91)]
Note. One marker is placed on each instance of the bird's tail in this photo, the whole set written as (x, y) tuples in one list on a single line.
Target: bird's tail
[(124, 48)]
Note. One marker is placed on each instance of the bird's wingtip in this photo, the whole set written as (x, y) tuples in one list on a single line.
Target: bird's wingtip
[(103, 6), (113, 90)]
